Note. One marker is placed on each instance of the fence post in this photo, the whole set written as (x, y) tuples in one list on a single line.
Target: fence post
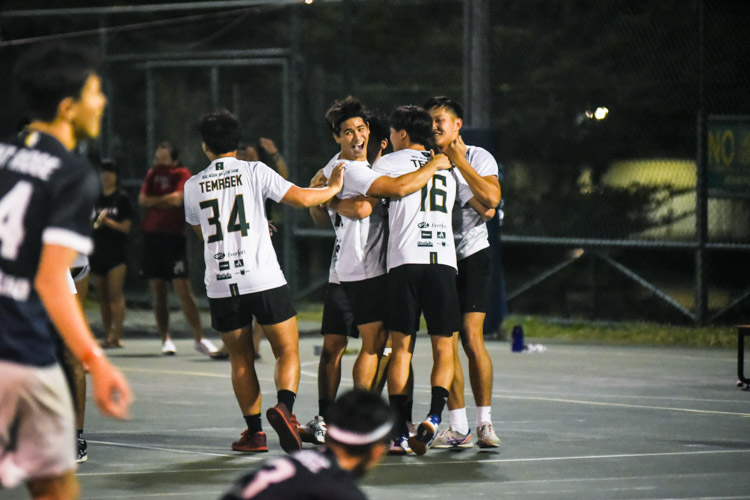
[(701, 195)]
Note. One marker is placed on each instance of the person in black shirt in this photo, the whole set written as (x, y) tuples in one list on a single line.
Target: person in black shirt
[(46, 200), (358, 433), (114, 219)]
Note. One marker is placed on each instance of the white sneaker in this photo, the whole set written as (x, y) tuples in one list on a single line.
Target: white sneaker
[(168, 348), (206, 347), (486, 437), (448, 438), (314, 432)]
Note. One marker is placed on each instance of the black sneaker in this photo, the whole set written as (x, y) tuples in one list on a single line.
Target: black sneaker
[(83, 454)]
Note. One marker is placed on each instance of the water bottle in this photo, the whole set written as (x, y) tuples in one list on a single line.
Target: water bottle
[(517, 339)]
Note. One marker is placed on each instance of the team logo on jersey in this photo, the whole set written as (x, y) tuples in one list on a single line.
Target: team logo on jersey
[(423, 225), (239, 263), (179, 268), (219, 256), (424, 243), (223, 266), (441, 235), (224, 276), (427, 235), (220, 165)]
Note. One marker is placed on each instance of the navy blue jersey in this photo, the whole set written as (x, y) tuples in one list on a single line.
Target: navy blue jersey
[(306, 475), (47, 195)]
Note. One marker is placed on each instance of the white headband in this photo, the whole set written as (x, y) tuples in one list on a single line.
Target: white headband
[(355, 438)]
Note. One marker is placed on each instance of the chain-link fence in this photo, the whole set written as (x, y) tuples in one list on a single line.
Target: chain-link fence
[(622, 125)]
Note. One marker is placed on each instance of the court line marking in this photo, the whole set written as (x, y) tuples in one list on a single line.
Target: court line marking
[(625, 405), (579, 457)]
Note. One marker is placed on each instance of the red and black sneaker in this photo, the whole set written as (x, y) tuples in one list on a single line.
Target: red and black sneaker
[(285, 425), (255, 442)]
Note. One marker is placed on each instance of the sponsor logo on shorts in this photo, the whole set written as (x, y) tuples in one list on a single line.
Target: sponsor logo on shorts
[(441, 235), (223, 266), (426, 235), (423, 224), (424, 243), (219, 256), (224, 276), (239, 263)]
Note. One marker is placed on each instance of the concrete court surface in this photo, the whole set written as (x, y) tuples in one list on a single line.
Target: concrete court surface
[(577, 422)]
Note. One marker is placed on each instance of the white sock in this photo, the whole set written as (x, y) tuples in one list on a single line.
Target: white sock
[(484, 414), (459, 422)]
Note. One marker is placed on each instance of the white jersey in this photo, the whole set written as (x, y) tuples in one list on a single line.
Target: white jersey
[(419, 224), (469, 230), (359, 253), (227, 201)]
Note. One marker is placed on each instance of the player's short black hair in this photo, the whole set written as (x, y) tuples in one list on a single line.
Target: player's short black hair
[(447, 103), (50, 73), (359, 420), (109, 165), (378, 126), (174, 152), (220, 131), (340, 111), (416, 121)]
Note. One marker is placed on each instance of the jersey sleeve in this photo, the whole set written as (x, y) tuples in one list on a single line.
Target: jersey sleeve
[(483, 162), (146, 186), (357, 181), (72, 203), (274, 185), (192, 211), (383, 166)]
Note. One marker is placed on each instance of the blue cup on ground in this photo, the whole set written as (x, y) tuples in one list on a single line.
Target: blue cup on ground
[(517, 339)]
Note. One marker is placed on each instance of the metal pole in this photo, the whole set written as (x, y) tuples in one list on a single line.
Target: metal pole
[(701, 209), (150, 116), (476, 63), (215, 87)]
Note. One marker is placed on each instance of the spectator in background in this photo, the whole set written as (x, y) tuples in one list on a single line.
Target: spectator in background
[(114, 219), (164, 252), (252, 152)]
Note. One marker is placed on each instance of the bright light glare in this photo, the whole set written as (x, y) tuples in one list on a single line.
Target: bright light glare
[(308, 2), (601, 113)]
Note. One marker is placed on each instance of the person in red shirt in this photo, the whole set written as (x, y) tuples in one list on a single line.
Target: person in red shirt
[(164, 254)]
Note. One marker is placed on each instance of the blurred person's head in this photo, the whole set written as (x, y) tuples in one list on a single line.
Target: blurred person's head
[(166, 154), (410, 125), (348, 121), (109, 173), (220, 133), (447, 119), (61, 86), (358, 430), (379, 134)]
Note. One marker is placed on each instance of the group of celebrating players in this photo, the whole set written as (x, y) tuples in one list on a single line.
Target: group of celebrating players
[(411, 238)]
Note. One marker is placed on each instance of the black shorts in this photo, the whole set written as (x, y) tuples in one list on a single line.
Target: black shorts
[(103, 262), (473, 281), (164, 256), (269, 307), (414, 289), (338, 316), (367, 299)]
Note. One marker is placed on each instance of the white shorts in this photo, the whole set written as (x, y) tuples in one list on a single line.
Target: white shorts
[(37, 430)]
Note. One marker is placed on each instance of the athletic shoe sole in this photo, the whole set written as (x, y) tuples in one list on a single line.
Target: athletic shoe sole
[(288, 437), (420, 443)]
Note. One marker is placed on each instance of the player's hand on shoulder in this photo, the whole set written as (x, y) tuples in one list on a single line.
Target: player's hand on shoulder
[(337, 176), (440, 160), (319, 179)]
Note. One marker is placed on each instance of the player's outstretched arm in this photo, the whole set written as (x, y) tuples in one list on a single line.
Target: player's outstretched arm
[(309, 197), (319, 213), (111, 391), (406, 184)]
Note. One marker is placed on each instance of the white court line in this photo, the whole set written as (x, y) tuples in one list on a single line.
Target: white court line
[(623, 405), (171, 450), (580, 457)]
